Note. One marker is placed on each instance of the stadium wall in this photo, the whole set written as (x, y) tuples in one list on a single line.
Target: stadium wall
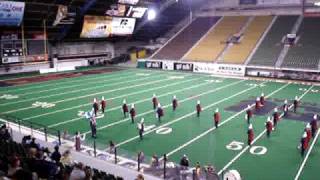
[(232, 70)]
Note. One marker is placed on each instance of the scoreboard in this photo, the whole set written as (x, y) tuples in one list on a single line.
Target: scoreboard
[(11, 49)]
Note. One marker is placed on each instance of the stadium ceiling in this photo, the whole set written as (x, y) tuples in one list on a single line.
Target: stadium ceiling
[(38, 12)]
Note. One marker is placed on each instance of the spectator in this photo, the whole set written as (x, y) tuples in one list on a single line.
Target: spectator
[(78, 172), (14, 166), (154, 161), (140, 177), (112, 147), (56, 156), (4, 133), (141, 157), (66, 158), (198, 171), (184, 161), (33, 144)]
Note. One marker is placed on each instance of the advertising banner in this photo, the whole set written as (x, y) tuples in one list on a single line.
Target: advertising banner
[(231, 70), (167, 65), (106, 26), (96, 27), (154, 64), (122, 26), (183, 66), (204, 68), (11, 13)]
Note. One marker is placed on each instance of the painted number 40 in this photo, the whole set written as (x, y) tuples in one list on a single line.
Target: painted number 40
[(255, 150)]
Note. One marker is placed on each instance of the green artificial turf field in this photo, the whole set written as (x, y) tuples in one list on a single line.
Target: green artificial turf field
[(60, 104)]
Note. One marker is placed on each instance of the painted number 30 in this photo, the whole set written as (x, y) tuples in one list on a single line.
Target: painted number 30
[(255, 150)]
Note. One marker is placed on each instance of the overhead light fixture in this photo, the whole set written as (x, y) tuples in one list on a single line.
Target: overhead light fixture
[(152, 14)]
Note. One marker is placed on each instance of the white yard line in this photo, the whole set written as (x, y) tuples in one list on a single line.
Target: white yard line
[(82, 105), (166, 106), (78, 90), (140, 101), (256, 139), (85, 82), (185, 116), (222, 123), (91, 95), (41, 84)]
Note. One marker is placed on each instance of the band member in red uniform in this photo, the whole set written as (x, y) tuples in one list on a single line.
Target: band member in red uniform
[(250, 134), (132, 113), (285, 108), (249, 114), (295, 104), (262, 99), (308, 131), (154, 101), (174, 103), (103, 104), (216, 117), (276, 116), (269, 127), (124, 108), (95, 106), (198, 108), (314, 125), (159, 112), (304, 143), (258, 104)]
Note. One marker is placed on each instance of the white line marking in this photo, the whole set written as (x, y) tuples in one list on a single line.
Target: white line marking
[(42, 84), (256, 139), (93, 94), (187, 115), (137, 102), (222, 123), (168, 105), (74, 107), (74, 91), (85, 82)]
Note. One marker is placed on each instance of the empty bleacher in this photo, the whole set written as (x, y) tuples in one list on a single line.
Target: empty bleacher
[(238, 53), (270, 48), (305, 54), (209, 48), (180, 44)]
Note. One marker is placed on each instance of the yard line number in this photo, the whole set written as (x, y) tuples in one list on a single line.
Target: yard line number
[(255, 150)]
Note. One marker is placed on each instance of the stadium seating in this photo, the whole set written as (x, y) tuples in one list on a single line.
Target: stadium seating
[(305, 54), (270, 48), (213, 44), (238, 53), (180, 44)]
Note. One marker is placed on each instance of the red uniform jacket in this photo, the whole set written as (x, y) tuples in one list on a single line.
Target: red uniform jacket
[(174, 103), (250, 135), (295, 103), (95, 106), (249, 113), (269, 126), (258, 105), (199, 108), (132, 112), (285, 107), (103, 104), (262, 100), (314, 125), (160, 112), (308, 131), (124, 108), (276, 116), (216, 117), (155, 101), (304, 143)]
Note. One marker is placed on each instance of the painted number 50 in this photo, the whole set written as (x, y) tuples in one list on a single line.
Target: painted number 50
[(255, 150)]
